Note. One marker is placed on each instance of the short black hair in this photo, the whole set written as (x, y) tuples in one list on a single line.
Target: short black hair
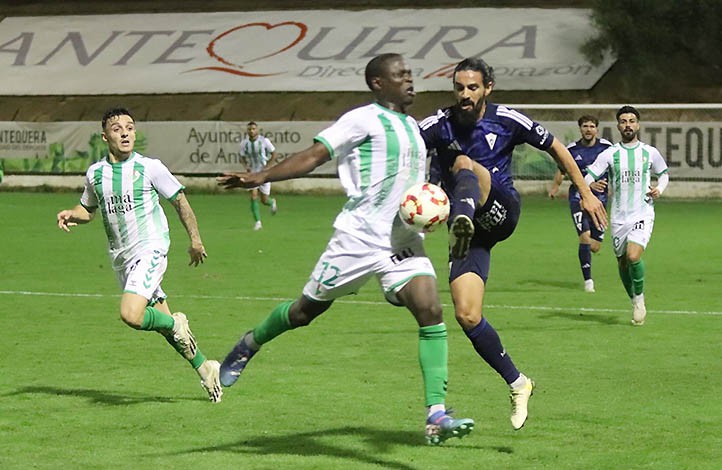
[(476, 65), (588, 118), (627, 109), (112, 112), (377, 66), (252, 123)]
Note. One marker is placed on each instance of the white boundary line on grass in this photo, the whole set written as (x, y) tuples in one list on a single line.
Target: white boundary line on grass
[(364, 302)]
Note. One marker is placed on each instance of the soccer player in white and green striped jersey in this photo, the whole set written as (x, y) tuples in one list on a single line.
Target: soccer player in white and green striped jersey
[(125, 187), (258, 153), (631, 165), (380, 154)]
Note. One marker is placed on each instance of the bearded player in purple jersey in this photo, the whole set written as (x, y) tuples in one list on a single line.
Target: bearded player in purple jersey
[(472, 144), (585, 151)]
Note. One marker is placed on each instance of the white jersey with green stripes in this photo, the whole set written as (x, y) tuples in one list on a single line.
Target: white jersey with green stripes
[(257, 152), (380, 154), (630, 178), (126, 194)]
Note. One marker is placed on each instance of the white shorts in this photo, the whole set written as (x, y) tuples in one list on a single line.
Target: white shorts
[(638, 232), (265, 188), (349, 262), (143, 276)]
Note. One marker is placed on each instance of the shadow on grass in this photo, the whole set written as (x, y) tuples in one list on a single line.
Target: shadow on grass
[(318, 443), (584, 317), (567, 285), (100, 397)]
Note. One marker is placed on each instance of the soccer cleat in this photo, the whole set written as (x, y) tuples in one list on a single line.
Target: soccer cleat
[(639, 312), (211, 382), (441, 426), (460, 234), (519, 402), (258, 226), (183, 337), (236, 361), (274, 206), (589, 285)]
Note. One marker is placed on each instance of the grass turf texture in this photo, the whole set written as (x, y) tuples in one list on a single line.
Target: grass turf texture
[(80, 389)]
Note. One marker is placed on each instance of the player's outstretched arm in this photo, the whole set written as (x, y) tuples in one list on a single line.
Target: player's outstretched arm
[(590, 203), (296, 165), (187, 217), (71, 217)]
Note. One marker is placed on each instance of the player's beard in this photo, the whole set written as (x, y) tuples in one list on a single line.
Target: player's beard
[(465, 119), (628, 136)]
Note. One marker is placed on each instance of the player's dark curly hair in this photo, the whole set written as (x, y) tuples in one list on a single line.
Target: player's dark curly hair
[(112, 112), (476, 65), (378, 65), (588, 118), (627, 109)]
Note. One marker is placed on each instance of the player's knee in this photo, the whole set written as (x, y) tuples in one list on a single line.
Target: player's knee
[(462, 162), (595, 247), (633, 257), (131, 317), (467, 317), (302, 315), (429, 314)]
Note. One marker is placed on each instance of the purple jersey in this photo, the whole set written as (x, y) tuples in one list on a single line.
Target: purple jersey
[(490, 143), (583, 157)]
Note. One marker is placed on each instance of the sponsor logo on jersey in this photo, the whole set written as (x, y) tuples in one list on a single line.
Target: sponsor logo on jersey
[(119, 204)]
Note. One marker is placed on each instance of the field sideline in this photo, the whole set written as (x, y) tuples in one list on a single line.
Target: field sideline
[(80, 389)]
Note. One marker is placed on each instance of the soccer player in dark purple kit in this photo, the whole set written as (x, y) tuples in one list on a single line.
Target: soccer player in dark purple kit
[(472, 144), (585, 151)]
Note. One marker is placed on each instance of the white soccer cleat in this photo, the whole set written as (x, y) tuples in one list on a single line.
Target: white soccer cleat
[(258, 226), (183, 337), (519, 403), (274, 206), (639, 311), (589, 285), (210, 380)]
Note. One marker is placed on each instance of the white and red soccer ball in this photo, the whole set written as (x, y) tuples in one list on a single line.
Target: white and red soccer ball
[(424, 207)]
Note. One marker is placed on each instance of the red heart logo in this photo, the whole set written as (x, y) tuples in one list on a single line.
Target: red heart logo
[(236, 69)]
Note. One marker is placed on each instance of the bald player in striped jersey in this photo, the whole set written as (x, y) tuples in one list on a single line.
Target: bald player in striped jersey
[(126, 187), (258, 153), (631, 164), (472, 143), (380, 154)]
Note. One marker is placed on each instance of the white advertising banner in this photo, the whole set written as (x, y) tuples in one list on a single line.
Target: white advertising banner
[(693, 150), (314, 50)]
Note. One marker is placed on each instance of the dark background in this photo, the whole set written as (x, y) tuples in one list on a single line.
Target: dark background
[(280, 106)]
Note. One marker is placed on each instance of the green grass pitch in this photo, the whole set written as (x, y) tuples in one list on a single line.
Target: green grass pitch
[(78, 389)]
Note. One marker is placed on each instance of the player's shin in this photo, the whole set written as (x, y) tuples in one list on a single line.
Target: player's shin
[(626, 278), (275, 323), (585, 260), (488, 345), (433, 357), (636, 273), (466, 194)]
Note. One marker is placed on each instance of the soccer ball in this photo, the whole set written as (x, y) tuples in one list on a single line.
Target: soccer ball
[(424, 207)]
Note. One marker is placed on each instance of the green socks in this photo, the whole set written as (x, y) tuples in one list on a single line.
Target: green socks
[(255, 210), (626, 278), (433, 356), (274, 324), (155, 320), (636, 272), (632, 275)]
